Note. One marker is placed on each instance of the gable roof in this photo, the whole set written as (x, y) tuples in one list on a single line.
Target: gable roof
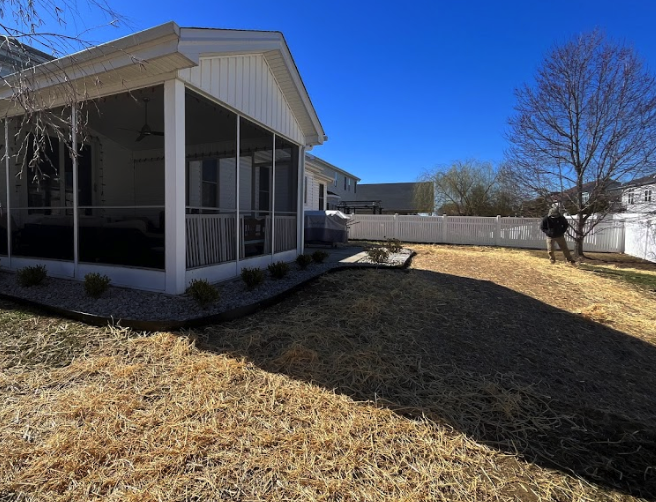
[(163, 50), (316, 161), (645, 180)]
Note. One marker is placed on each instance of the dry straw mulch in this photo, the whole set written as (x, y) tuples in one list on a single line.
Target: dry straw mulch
[(477, 375)]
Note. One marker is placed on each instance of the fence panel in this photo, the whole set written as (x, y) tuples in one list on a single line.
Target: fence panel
[(371, 227), (607, 236), (473, 230), (640, 237), (424, 229), (520, 233)]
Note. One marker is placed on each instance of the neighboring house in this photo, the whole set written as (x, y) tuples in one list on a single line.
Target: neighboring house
[(342, 186), (639, 195), (16, 56), (401, 198), (609, 199), (192, 167), (316, 183)]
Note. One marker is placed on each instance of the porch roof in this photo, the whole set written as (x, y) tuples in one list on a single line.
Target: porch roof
[(157, 54)]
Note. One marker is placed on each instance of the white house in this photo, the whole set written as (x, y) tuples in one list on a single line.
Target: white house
[(639, 196), (191, 165), (316, 183), (341, 186)]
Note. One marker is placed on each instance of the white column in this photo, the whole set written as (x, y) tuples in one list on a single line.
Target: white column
[(273, 198), (8, 208), (300, 213), (76, 216), (174, 186), (240, 231)]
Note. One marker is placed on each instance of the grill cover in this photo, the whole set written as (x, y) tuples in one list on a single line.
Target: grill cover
[(326, 227)]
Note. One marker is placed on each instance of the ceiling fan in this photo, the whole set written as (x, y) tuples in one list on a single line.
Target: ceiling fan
[(145, 130)]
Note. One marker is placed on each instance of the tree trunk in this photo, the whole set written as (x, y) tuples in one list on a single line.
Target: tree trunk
[(578, 236)]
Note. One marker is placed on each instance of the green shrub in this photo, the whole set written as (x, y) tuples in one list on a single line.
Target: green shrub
[(95, 284), (303, 260), (378, 255), (394, 245), (202, 292), (31, 276), (319, 256), (252, 277), (278, 270)]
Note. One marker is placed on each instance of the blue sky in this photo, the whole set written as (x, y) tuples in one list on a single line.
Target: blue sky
[(403, 87)]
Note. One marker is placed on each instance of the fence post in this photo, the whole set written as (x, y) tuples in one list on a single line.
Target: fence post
[(497, 231), (445, 232), (395, 227)]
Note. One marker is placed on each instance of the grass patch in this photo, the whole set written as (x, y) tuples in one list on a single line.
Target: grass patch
[(475, 375), (642, 280)]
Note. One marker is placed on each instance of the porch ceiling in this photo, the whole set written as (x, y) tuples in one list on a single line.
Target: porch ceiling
[(120, 117)]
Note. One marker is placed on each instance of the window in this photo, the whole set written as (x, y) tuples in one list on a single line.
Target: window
[(335, 183), (305, 190), (349, 184), (322, 189), (648, 195), (209, 183), (586, 197), (630, 197), (355, 187)]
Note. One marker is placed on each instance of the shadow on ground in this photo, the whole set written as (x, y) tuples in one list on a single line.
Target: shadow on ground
[(505, 369)]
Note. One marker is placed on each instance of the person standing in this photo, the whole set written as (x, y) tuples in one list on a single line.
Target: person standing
[(554, 225)]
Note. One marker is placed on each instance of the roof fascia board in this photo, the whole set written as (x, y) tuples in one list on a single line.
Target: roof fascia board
[(311, 159), (134, 49), (197, 42)]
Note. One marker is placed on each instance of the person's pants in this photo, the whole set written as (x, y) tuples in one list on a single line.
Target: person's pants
[(562, 244)]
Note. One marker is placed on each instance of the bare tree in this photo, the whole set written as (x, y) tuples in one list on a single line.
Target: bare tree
[(470, 188), (26, 43), (586, 124)]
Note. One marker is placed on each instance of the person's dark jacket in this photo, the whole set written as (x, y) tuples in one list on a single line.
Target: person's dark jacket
[(554, 227)]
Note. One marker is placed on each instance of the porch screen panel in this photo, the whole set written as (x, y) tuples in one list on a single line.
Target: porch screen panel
[(121, 181), (255, 189), (211, 181), (286, 188), (41, 207)]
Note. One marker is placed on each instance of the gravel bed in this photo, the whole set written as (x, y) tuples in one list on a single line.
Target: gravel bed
[(124, 303)]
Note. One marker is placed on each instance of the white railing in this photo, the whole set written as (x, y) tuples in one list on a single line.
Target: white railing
[(607, 236), (211, 237), (285, 233)]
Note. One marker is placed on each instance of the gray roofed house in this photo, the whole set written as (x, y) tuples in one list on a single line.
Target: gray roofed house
[(16, 56), (398, 197)]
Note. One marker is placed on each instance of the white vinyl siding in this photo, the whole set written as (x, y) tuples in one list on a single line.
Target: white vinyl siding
[(246, 84)]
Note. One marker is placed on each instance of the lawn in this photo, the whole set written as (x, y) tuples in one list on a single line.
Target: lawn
[(479, 374)]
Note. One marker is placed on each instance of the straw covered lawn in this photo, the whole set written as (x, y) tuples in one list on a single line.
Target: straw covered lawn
[(477, 375)]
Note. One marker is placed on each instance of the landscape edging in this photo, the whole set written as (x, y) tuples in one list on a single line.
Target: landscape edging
[(171, 325)]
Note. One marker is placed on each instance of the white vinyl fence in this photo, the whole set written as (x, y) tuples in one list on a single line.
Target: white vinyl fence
[(640, 235), (607, 236)]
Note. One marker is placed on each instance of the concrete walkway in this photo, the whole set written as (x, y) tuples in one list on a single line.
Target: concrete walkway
[(340, 254)]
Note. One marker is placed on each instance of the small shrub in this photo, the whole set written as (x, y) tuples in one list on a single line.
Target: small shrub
[(202, 292), (31, 276), (252, 277), (95, 284), (319, 256), (278, 270), (394, 245), (378, 255), (303, 260)]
